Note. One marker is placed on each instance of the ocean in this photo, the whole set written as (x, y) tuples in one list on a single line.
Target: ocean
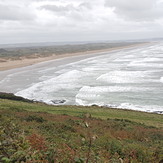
[(128, 79)]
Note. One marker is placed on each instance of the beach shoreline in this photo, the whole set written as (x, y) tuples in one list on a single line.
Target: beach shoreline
[(100, 78), (23, 62)]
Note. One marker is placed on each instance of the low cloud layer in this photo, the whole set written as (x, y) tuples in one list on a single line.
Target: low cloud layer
[(12, 12), (82, 20), (139, 10)]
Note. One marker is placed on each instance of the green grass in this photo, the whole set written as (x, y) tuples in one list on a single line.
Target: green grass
[(149, 119)]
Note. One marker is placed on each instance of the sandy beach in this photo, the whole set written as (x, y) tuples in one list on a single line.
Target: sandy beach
[(11, 64)]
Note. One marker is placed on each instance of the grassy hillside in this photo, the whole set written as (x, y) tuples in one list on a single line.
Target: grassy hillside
[(98, 112), (36, 132)]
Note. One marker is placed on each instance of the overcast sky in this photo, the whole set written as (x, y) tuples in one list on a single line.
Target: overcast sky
[(28, 21)]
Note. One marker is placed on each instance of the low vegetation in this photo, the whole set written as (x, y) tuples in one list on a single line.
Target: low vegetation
[(39, 133), (11, 96), (44, 51)]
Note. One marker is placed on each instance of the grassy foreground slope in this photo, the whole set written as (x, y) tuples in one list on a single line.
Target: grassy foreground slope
[(35, 132), (98, 112)]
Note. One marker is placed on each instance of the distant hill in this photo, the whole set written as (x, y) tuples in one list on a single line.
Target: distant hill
[(2, 50)]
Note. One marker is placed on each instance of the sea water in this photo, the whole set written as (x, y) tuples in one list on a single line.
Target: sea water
[(127, 79)]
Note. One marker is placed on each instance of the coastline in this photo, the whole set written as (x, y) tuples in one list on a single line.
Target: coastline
[(15, 80), (23, 62)]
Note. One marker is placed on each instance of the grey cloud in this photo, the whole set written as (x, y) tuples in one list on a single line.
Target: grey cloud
[(14, 13), (85, 5), (55, 8), (44, 0), (139, 10), (69, 11), (66, 8)]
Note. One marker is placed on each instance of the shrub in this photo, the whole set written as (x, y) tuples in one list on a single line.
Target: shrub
[(11, 96), (14, 147), (35, 118)]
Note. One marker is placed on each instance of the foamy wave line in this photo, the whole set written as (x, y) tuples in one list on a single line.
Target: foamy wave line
[(139, 64), (86, 90), (161, 79), (124, 77), (150, 109)]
